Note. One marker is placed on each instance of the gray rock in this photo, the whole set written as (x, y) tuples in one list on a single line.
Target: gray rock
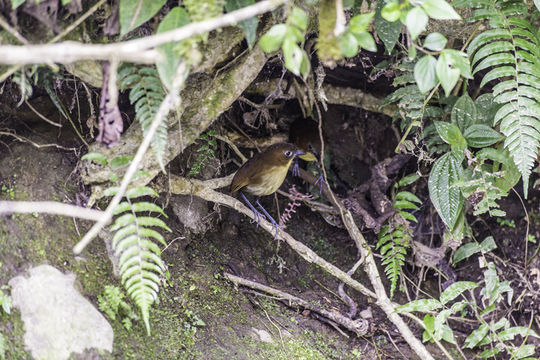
[(262, 335), (58, 320), (192, 212)]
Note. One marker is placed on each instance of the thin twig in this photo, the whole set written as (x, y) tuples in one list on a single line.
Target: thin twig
[(26, 140), (168, 103), (359, 327), (132, 50), (17, 35), (41, 116), (233, 147), (66, 31), (49, 207), (370, 266)]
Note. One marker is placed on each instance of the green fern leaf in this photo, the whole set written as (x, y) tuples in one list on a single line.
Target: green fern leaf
[(146, 94), (512, 50), (135, 245)]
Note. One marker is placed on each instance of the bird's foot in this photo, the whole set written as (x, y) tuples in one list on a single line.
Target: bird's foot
[(321, 182), (256, 214), (275, 225), (296, 169)]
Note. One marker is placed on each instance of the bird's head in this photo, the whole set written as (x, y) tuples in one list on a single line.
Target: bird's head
[(281, 154)]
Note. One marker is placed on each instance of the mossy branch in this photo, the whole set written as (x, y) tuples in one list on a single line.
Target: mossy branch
[(203, 100)]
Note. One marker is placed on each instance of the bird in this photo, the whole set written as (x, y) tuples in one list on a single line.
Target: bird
[(304, 134), (263, 174)]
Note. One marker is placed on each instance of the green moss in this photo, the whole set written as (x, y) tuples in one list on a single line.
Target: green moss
[(12, 327), (327, 44)]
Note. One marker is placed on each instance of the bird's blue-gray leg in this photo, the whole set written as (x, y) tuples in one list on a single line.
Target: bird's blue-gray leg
[(295, 168), (270, 218), (256, 215), (320, 180)]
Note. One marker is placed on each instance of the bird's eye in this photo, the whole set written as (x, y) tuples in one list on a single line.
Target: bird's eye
[(288, 153)]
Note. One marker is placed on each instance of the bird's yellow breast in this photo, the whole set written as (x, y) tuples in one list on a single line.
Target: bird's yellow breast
[(268, 181)]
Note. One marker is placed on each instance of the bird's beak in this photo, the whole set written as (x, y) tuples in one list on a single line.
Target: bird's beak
[(299, 152)]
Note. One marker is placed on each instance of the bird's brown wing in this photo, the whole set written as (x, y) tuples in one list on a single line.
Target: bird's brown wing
[(244, 175)]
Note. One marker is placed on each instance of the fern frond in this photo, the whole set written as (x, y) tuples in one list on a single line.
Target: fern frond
[(392, 245), (409, 99), (135, 245), (147, 94), (511, 48)]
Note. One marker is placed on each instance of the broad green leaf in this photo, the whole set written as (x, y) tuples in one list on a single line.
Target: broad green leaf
[(448, 335), (294, 34), (510, 333), (348, 44), (416, 21), (537, 4), (480, 136), (390, 11), (524, 351), (451, 135), (460, 61), (459, 306), (305, 66), (134, 13), (407, 180), (366, 41), (299, 18), (441, 330), (446, 198), (419, 305), (440, 10), (16, 3), (435, 41), (464, 113), (96, 157), (176, 18), (465, 251), (272, 40), (424, 73), (429, 327), (476, 336), (360, 23), (490, 353), (120, 161), (388, 31), (447, 74), (456, 289), (488, 244), (293, 56), (249, 26)]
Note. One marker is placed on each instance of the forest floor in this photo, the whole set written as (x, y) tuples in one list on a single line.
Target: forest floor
[(201, 315)]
